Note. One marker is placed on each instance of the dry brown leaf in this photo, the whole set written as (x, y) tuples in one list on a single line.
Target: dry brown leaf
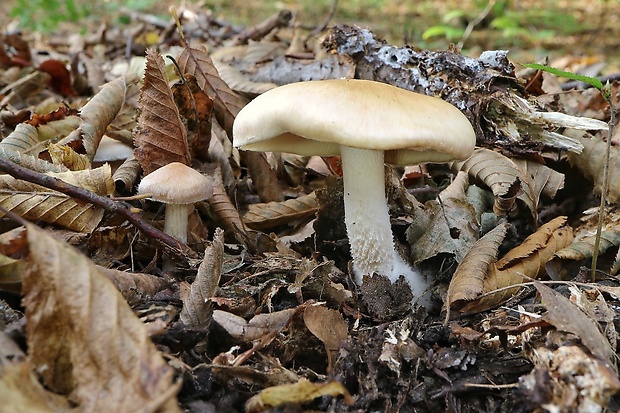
[(20, 392), (263, 176), (273, 214), (449, 225), (31, 162), (508, 181), (259, 326), (65, 155), (300, 392), (522, 263), (126, 175), (197, 61), (34, 202), (225, 211), (24, 139), (329, 326), (197, 307), (468, 279), (566, 316), (84, 340), (196, 107), (97, 114), (161, 137), (591, 162), (131, 283), (580, 251)]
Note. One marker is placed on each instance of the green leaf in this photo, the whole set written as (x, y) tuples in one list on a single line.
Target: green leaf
[(592, 81)]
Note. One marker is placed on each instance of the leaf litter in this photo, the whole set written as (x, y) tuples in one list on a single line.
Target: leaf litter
[(259, 312)]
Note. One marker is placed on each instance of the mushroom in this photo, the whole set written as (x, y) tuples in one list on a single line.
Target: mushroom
[(367, 123), (179, 187)]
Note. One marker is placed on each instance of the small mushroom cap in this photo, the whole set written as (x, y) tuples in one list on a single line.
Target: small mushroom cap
[(176, 183), (316, 117)]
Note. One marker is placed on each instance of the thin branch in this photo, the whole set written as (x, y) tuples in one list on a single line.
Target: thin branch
[(170, 245)]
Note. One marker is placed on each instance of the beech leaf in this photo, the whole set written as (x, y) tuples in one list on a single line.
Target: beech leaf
[(84, 340), (262, 216), (161, 137)]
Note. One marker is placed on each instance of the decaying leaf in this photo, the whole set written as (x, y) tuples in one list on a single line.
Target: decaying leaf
[(449, 225), (272, 214), (97, 114), (510, 179), (468, 280), (567, 379), (520, 264), (257, 327), (64, 155), (566, 316), (84, 340), (300, 392), (591, 162), (197, 61), (161, 137), (196, 107), (579, 251), (329, 326), (197, 307)]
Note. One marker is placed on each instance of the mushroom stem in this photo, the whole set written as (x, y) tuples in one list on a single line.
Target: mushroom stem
[(368, 221), (175, 223)]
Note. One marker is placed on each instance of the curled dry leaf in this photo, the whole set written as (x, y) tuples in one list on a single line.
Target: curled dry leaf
[(300, 392), (580, 251), (273, 214), (126, 175), (84, 340), (31, 162), (131, 283), (567, 316), (161, 137), (97, 114), (225, 211), (509, 179), (65, 155), (259, 326), (522, 263), (468, 280), (591, 162), (197, 307)]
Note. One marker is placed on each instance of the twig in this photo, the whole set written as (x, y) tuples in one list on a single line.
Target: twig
[(474, 23), (170, 245), (263, 28), (606, 92), (318, 29)]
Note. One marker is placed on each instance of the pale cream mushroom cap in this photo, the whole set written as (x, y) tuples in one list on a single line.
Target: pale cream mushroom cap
[(176, 183), (316, 117)]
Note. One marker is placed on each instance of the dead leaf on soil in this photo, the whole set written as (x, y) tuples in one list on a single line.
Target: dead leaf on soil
[(259, 326), (300, 392), (84, 340), (520, 264), (592, 160), (468, 280), (161, 137), (263, 216), (197, 306), (329, 326), (566, 316)]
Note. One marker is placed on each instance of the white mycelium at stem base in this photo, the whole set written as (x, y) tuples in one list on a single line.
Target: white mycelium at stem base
[(368, 221)]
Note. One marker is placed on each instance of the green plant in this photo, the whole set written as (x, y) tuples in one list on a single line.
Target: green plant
[(45, 15)]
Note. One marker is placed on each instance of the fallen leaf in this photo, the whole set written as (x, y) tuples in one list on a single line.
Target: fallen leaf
[(299, 392), (84, 340)]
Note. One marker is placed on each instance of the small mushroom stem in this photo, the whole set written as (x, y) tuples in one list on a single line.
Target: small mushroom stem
[(175, 223), (368, 221)]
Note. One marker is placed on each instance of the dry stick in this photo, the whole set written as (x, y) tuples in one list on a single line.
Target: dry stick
[(170, 245), (601, 212)]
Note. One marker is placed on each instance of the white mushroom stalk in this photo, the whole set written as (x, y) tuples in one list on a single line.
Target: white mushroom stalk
[(367, 218), (175, 223), (367, 123)]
